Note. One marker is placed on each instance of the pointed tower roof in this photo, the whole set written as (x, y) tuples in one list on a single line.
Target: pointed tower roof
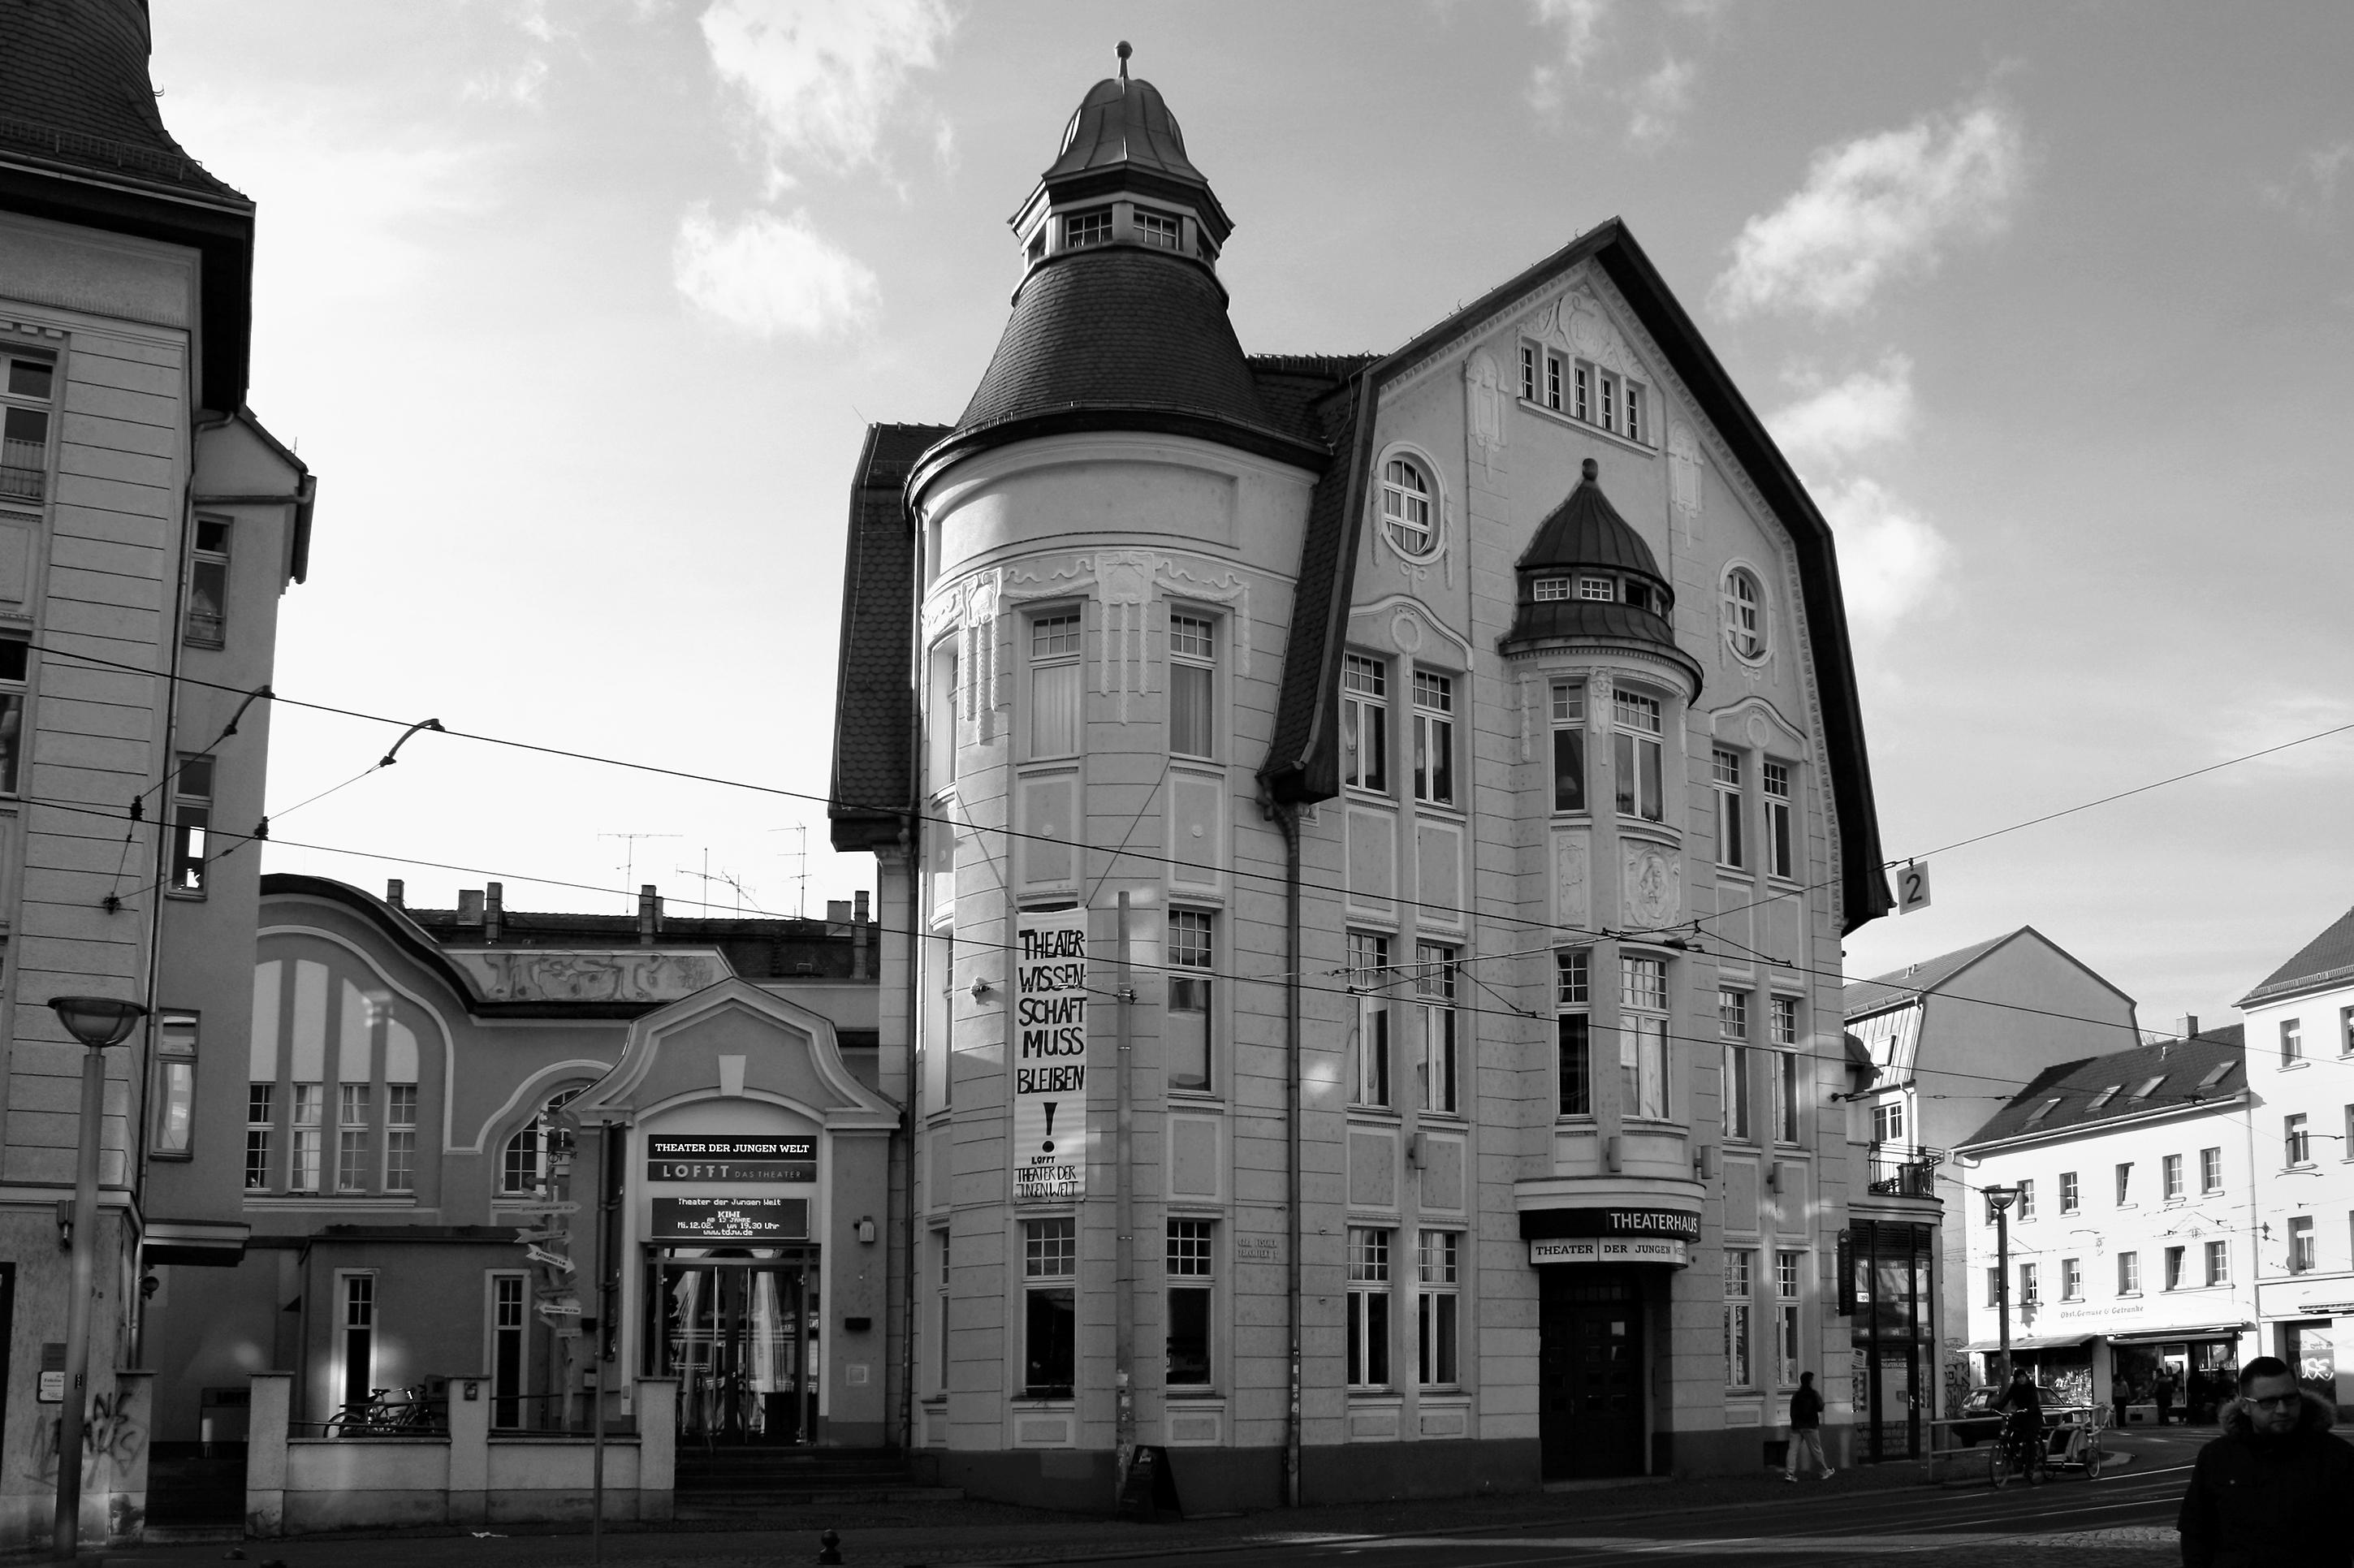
[(1589, 579), (1586, 531), (1123, 136)]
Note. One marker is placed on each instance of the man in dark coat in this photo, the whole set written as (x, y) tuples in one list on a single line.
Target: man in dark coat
[(2271, 1491)]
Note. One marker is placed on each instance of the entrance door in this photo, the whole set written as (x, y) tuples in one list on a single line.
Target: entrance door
[(734, 1328), (1590, 1373)]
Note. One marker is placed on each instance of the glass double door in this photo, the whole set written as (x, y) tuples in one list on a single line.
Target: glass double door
[(1590, 1373), (738, 1330)]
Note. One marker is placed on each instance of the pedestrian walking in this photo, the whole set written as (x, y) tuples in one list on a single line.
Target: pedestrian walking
[(1806, 1430), (2271, 1489), (2163, 1392)]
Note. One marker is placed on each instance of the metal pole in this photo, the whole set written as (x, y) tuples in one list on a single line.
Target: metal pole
[(1124, 1242), (1286, 818), (66, 1537), (2002, 1290)]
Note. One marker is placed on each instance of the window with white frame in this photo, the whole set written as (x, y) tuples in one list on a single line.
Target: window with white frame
[(261, 1127), (525, 1161), (1082, 229), (2026, 1200), (1789, 1269), (1574, 1032), (208, 583), (2072, 1279), (1568, 746), (2300, 1243), (1993, 1286), (1549, 590), (1437, 1080), (1186, 1050), (1370, 978), (1056, 688), (1406, 500), (2129, 1273), (303, 1166), (1733, 1028), (507, 1338), (1738, 1265), (2296, 1143), (27, 396), (1050, 1269), (2125, 1182), (2211, 1167), (940, 717), (1780, 858), (192, 816), (1364, 724), (1785, 1022), (2173, 1259), (15, 661), (1191, 1284), (352, 1163), (2027, 1285), (2070, 1193), (1642, 1037), (1159, 229), (358, 1345), (2169, 1171), (1434, 738), (2219, 1263), (1529, 372), (1192, 685), (1601, 590), (176, 1086), (1888, 1122), (1744, 614), (1724, 774), (2291, 1041), (1437, 1309), (2346, 1031), (940, 1362), (399, 1138), (1636, 754), (1368, 1347)]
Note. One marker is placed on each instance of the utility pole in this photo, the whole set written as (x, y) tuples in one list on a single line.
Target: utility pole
[(1999, 1199), (629, 867), (1124, 1199)]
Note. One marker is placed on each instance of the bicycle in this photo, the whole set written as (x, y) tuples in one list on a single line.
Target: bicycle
[(377, 1414), (2018, 1452)]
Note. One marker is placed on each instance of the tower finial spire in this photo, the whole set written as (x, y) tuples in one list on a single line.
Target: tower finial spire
[(1124, 52)]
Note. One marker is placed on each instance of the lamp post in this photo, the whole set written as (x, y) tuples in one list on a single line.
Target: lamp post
[(1999, 1199), (98, 1022)]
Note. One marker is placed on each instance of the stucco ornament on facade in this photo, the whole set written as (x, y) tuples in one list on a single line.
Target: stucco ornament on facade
[(1684, 477), (1123, 581), (1573, 883), (591, 975), (1577, 321), (1653, 887), (1483, 407)]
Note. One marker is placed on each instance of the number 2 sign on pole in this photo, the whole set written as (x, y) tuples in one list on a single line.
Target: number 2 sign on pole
[(1911, 887)]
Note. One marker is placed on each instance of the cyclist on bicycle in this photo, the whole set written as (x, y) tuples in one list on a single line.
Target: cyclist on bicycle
[(2023, 1427)]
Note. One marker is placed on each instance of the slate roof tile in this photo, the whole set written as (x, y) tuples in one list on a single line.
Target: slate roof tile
[(2328, 957), (74, 90), (2187, 1071)]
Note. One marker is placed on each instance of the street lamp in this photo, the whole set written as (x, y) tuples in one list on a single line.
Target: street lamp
[(98, 1022), (1999, 1199)]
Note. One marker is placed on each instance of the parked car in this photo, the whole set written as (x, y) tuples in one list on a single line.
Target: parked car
[(1977, 1419)]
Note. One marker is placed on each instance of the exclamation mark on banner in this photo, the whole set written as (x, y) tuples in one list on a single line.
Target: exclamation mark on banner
[(1048, 1146)]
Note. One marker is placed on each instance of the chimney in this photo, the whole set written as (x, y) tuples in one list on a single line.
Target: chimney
[(2189, 1025), (494, 912), (649, 914), (837, 916), (470, 906), (858, 942), (859, 905), (396, 893)]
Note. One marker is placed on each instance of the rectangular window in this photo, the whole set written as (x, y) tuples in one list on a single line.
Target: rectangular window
[(1733, 1027), (1435, 1067), (1159, 229), (208, 583), (400, 1137), (1778, 857), (2174, 1267), (260, 1123), (2026, 1201), (175, 1085), (1725, 772), (2291, 1038), (1738, 1373), (1635, 422), (1786, 1095), (1789, 1270), (940, 1313), (1086, 228), (1643, 1036), (1529, 372), (507, 1348), (1190, 1288), (14, 660), (1186, 1050), (2296, 1144), (1056, 685), (1609, 387), (2129, 1273), (1888, 1122), (2070, 1193), (2219, 1263), (352, 1171), (1636, 756), (192, 815), (2125, 1182), (303, 1171), (1569, 747), (1434, 738), (2027, 1296), (1050, 1267), (1369, 977), (2300, 1243), (1438, 1310), (1552, 382), (1549, 590), (359, 1337), (2210, 1168), (1994, 1286), (1573, 1032), (2346, 1031), (1193, 683), (1364, 724), (940, 717), (1581, 392), (1368, 1345), (2072, 1279), (2169, 1171), (24, 428)]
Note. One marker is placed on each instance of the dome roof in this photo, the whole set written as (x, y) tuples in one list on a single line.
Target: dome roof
[(1586, 532), (1124, 122), (73, 79)]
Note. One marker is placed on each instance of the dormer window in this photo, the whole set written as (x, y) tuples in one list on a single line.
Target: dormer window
[(1082, 229), (2105, 1096), (1601, 590), (1549, 588), (1159, 229)]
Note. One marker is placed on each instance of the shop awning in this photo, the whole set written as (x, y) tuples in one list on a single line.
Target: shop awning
[(2031, 1342), (2165, 1335)]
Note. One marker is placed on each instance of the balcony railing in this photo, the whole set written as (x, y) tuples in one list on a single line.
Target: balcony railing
[(1902, 1171)]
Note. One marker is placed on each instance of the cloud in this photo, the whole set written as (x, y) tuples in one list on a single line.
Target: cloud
[(1868, 408), (2310, 194), (773, 276), (1891, 561), (1578, 24), (1876, 210), (1658, 101), (822, 78)]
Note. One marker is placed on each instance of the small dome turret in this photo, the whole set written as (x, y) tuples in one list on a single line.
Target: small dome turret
[(1587, 579)]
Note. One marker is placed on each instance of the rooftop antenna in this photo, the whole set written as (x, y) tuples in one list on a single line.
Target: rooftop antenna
[(800, 878), (707, 876), (630, 861), (1124, 52)]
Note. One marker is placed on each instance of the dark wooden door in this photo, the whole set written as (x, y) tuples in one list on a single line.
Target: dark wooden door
[(1590, 1371)]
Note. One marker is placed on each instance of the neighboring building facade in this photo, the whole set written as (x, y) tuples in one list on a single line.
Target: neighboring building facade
[(2300, 1024), (1948, 1038), (1470, 735), (423, 1087), (2131, 1255), (147, 525)]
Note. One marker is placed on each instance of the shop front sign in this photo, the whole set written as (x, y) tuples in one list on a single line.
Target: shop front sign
[(730, 1217), (1628, 1234), (722, 1159), (1604, 1249)]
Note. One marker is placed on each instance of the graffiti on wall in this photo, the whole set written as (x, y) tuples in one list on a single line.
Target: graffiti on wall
[(550, 975), (112, 1435)]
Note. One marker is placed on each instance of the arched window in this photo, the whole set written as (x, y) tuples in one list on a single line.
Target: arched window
[(522, 1169), (1406, 508), (1744, 614)]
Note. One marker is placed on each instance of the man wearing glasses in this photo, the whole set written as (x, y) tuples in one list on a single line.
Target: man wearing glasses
[(2272, 1489)]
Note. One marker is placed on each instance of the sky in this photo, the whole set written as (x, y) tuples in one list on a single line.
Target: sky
[(579, 311)]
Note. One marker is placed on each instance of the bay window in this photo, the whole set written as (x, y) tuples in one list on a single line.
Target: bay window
[(1056, 685), (1635, 756), (1643, 1036)]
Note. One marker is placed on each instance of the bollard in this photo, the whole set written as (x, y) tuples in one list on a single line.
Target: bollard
[(829, 1547)]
